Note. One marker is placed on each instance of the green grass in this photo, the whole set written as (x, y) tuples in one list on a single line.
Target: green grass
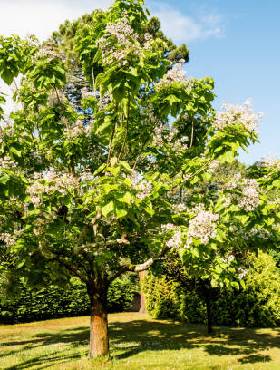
[(137, 342)]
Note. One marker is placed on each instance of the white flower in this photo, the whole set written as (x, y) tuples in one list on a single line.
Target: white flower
[(8, 239), (86, 176), (167, 227), (202, 227), (175, 240), (49, 182), (121, 30), (238, 114), (175, 74), (242, 273), (179, 207), (250, 195), (270, 162), (214, 165), (7, 163), (76, 130), (144, 188)]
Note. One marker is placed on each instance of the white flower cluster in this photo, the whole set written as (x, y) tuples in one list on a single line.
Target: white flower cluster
[(164, 134), (124, 34), (86, 176), (78, 129), (214, 166), (49, 182), (8, 239), (234, 182), (228, 259), (175, 74), (241, 114), (128, 41), (7, 163), (142, 186), (259, 233), (202, 227), (179, 207), (175, 240), (250, 195), (270, 163), (121, 30), (242, 272)]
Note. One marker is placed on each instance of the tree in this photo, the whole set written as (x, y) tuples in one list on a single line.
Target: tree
[(94, 169)]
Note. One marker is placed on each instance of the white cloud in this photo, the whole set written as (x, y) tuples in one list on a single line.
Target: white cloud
[(183, 28), (42, 17)]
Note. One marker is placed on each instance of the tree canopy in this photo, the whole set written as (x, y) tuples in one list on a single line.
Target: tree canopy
[(110, 159)]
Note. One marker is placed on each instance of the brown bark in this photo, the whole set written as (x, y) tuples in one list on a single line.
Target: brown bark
[(142, 275), (99, 335)]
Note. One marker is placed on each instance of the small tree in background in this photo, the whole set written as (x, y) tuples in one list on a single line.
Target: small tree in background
[(102, 163)]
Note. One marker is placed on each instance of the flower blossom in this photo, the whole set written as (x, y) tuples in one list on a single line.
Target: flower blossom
[(49, 182), (250, 195), (179, 207), (76, 130), (7, 163), (175, 240), (270, 163), (163, 134), (238, 114), (242, 272), (8, 239), (144, 188), (202, 226), (175, 74)]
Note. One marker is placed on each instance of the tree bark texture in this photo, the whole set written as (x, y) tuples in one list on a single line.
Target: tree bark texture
[(99, 335), (142, 276)]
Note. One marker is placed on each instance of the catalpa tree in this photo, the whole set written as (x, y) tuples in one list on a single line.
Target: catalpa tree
[(108, 138)]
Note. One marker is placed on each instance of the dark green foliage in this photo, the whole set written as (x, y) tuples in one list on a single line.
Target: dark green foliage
[(52, 302), (258, 304), (166, 298)]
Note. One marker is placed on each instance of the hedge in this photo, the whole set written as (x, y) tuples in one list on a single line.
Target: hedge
[(53, 302)]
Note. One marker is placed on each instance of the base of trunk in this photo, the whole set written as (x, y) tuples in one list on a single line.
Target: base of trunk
[(99, 336)]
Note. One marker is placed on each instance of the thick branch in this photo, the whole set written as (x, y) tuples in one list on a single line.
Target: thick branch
[(144, 266)]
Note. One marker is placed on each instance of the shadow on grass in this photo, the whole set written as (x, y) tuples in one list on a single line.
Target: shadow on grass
[(131, 338)]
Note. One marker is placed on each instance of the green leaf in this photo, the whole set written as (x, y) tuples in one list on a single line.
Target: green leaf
[(4, 179), (120, 212), (242, 283), (108, 208), (234, 284), (20, 264), (126, 198)]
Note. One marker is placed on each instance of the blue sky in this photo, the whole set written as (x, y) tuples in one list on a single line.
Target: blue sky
[(234, 41)]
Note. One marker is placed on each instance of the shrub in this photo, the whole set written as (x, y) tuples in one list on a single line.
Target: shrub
[(258, 304), (52, 302)]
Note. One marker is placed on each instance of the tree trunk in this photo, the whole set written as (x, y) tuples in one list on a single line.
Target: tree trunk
[(99, 335), (142, 276)]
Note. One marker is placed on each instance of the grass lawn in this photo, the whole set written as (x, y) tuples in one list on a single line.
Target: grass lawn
[(137, 342)]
